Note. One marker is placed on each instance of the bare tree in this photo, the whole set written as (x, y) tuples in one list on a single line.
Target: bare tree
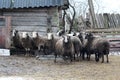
[(76, 9)]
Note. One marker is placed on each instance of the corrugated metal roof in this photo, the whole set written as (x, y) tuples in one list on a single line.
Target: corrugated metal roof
[(29, 3)]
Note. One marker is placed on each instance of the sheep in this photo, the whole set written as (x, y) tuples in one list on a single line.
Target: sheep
[(50, 43), (97, 45), (60, 32), (17, 40), (65, 48), (38, 43), (27, 42), (81, 36), (77, 45), (16, 43)]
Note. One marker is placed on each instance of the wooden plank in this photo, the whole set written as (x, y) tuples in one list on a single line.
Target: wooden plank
[(15, 23), (106, 20), (112, 16), (31, 28), (29, 10), (41, 29), (118, 19), (26, 14), (115, 20), (30, 19), (98, 20), (111, 25), (101, 21), (111, 30), (91, 10)]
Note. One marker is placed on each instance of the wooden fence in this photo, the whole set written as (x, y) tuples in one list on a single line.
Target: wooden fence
[(107, 20)]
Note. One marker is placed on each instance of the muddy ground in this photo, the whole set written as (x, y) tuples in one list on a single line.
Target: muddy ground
[(28, 68)]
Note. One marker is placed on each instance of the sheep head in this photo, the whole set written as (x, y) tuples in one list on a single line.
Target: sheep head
[(89, 36), (66, 39), (34, 34), (24, 34), (50, 36)]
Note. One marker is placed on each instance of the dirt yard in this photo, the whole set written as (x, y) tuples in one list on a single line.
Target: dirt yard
[(28, 68)]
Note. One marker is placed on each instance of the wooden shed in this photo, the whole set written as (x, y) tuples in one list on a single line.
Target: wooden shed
[(32, 15)]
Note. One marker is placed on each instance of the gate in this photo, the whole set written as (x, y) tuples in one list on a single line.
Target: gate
[(5, 28)]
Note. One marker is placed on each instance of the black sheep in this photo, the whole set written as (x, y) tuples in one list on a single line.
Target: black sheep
[(97, 45), (17, 40), (84, 43)]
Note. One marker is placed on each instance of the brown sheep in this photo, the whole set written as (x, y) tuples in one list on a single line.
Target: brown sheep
[(38, 44), (65, 48), (50, 43), (27, 42)]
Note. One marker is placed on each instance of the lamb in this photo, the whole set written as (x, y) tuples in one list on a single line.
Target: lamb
[(97, 45), (65, 48)]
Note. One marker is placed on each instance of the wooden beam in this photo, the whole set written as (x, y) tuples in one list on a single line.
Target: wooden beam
[(92, 13), (112, 30)]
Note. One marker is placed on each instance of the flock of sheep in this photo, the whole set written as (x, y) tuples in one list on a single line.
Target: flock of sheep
[(68, 46)]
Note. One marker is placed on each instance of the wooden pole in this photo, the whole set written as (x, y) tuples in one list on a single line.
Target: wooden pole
[(92, 13)]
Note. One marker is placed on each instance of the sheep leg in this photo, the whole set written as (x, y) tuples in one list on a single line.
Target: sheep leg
[(88, 56), (64, 57), (83, 55), (107, 58), (29, 53), (71, 57), (77, 57), (102, 58), (26, 51), (97, 57), (55, 58), (74, 56)]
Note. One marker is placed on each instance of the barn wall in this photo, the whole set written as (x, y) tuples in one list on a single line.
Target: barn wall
[(33, 19)]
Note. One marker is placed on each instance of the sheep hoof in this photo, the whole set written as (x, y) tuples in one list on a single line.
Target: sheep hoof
[(54, 61), (102, 62), (88, 59), (107, 61)]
